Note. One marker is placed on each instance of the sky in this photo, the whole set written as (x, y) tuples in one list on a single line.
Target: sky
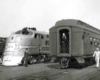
[(43, 14)]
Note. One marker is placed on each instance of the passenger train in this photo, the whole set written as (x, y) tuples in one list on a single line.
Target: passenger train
[(71, 40), (34, 42), (74, 42)]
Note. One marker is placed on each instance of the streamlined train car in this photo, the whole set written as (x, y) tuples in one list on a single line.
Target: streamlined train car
[(29, 40), (2, 45), (73, 41)]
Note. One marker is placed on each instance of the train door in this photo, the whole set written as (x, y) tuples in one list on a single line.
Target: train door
[(41, 37), (35, 42), (86, 43), (64, 41)]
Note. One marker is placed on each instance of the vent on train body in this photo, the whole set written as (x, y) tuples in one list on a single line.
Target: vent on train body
[(33, 28), (44, 48)]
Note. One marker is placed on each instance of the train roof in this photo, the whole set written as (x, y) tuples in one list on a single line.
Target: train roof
[(33, 31), (75, 23), (40, 32)]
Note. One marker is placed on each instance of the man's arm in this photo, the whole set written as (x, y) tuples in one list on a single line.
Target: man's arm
[(94, 54)]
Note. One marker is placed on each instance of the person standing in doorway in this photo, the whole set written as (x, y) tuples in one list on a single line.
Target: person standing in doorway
[(97, 55)]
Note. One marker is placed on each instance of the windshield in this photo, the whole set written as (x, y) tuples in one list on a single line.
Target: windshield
[(24, 32), (18, 32)]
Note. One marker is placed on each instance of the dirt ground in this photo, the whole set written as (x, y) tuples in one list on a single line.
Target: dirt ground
[(48, 71)]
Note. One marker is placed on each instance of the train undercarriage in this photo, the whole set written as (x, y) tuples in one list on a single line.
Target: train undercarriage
[(32, 59), (72, 62)]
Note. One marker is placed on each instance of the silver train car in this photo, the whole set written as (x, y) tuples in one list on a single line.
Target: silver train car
[(34, 42)]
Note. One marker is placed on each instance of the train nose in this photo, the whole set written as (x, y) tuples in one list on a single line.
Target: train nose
[(13, 47), (12, 60)]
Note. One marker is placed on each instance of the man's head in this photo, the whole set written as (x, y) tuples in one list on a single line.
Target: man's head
[(97, 49), (63, 34)]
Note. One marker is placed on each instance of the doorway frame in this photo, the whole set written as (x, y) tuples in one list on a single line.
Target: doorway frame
[(58, 41)]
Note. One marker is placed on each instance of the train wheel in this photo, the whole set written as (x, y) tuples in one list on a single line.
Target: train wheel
[(92, 61), (64, 62), (89, 61), (75, 64), (31, 60), (81, 65), (43, 58), (53, 59)]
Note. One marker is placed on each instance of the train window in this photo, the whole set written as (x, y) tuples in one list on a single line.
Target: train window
[(95, 44), (91, 41), (18, 32), (90, 38), (36, 36), (83, 35), (47, 36), (46, 42), (97, 41), (94, 39), (42, 37), (12, 38), (25, 31)]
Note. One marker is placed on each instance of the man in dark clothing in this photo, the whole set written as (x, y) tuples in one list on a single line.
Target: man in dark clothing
[(25, 59)]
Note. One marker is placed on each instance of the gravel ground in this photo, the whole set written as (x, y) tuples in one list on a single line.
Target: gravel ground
[(55, 73), (48, 71), (44, 75)]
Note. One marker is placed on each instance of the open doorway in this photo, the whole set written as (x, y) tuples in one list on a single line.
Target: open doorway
[(64, 40)]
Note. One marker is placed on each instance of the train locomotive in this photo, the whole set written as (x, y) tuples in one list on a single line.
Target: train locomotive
[(2, 45), (73, 42), (34, 42)]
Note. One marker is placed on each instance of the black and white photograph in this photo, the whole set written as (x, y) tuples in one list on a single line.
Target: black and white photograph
[(49, 39)]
